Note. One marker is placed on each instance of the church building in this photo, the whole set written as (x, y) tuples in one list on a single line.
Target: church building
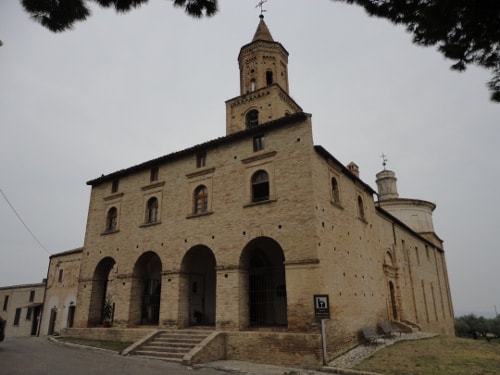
[(259, 234)]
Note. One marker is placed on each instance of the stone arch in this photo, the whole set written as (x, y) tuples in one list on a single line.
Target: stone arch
[(260, 186), (264, 261), (146, 290), (99, 292), (252, 118), (388, 259), (198, 288)]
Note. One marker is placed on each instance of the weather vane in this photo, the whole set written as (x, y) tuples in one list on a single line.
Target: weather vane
[(260, 5), (384, 160)]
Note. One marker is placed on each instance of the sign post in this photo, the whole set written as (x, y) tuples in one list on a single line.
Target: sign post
[(322, 312)]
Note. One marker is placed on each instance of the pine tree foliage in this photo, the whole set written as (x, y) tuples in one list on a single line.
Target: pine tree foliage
[(61, 15), (465, 31)]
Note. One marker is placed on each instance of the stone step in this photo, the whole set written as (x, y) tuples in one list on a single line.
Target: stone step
[(181, 336), (172, 357), (172, 345), (165, 349), (176, 341)]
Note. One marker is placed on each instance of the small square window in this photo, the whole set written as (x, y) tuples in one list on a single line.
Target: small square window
[(154, 174), (17, 316), (258, 143), (114, 186), (201, 159), (28, 313), (5, 303)]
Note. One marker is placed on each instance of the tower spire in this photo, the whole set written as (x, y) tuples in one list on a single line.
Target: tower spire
[(262, 32), (264, 93)]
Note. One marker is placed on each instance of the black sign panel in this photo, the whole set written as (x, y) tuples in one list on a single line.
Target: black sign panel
[(321, 306)]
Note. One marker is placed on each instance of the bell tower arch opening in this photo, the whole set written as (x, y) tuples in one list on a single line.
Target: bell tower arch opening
[(252, 118), (269, 77), (263, 65)]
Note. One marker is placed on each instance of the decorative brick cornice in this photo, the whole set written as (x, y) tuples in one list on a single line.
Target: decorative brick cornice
[(302, 262), (244, 99), (258, 157), (153, 185), (113, 196), (201, 173)]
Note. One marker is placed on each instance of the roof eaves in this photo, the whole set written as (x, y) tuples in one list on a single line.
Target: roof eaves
[(325, 154), (290, 119), (67, 252)]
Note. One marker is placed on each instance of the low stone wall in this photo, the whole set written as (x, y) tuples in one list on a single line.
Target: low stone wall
[(112, 334), (291, 349), (213, 348), (278, 348)]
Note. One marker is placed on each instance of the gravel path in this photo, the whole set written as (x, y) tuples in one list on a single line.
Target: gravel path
[(359, 353)]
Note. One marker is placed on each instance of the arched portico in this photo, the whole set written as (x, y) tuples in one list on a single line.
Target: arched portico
[(199, 286), (99, 290), (146, 290), (263, 260)]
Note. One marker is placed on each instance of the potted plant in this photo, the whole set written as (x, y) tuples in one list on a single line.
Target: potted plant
[(107, 312)]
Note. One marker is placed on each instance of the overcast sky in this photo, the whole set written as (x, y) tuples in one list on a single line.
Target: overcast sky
[(118, 90)]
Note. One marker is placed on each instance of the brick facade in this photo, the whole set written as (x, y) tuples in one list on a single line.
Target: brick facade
[(240, 232), (21, 307), (61, 290)]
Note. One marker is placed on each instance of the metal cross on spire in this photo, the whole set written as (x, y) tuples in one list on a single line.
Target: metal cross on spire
[(384, 160), (260, 5)]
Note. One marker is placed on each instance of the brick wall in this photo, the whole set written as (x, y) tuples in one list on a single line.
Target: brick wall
[(112, 334)]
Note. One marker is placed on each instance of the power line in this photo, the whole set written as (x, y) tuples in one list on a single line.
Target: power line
[(22, 221)]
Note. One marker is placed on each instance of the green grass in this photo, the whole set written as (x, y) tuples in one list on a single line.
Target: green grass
[(439, 355), (116, 346)]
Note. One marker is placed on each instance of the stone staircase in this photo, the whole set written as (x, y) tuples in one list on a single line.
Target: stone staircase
[(171, 346)]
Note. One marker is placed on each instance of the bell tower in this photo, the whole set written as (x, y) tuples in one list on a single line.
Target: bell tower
[(264, 87)]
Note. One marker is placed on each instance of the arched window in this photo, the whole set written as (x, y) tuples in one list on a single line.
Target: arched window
[(200, 200), (252, 118), (335, 190), (111, 219), (260, 186), (361, 209), (152, 210), (269, 77), (252, 84)]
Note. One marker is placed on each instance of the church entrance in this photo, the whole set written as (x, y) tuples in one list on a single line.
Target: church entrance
[(146, 290), (264, 260), (99, 290), (198, 268)]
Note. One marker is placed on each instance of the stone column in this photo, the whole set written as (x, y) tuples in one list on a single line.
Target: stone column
[(228, 304), (171, 300)]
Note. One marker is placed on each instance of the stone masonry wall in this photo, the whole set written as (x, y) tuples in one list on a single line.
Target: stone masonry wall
[(62, 286), (231, 223)]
